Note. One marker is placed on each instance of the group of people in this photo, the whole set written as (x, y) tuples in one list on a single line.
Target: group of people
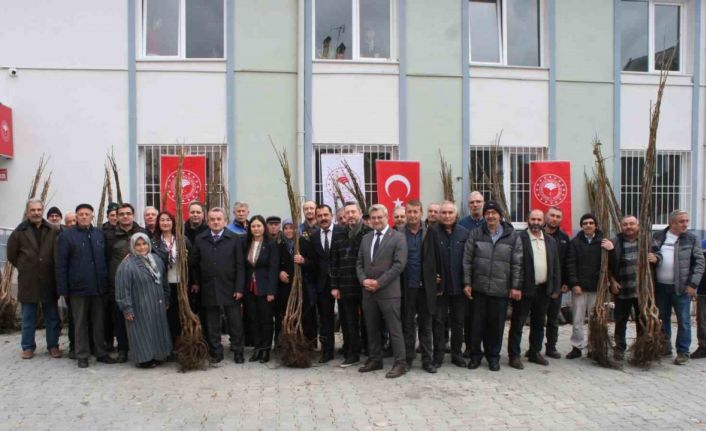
[(419, 286)]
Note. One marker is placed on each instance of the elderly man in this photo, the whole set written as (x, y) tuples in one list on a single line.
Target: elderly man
[(399, 217), (30, 249), (475, 211), (239, 226), (492, 272), (150, 217), (382, 257), (69, 219), (341, 217), (274, 227), (679, 268), (309, 223), (54, 216)]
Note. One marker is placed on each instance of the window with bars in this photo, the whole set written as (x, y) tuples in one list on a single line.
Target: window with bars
[(516, 185), (672, 183), (371, 153), (149, 186)]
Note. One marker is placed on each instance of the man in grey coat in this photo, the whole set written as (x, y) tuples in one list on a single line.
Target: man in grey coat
[(381, 259)]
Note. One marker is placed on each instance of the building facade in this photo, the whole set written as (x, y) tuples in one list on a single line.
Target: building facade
[(392, 79)]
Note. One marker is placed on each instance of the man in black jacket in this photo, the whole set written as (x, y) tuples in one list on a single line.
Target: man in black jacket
[(542, 281), (552, 227), (218, 274), (584, 268), (117, 246)]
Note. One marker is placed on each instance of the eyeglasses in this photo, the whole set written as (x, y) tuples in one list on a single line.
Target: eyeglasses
[(587, 222), (124, 214)]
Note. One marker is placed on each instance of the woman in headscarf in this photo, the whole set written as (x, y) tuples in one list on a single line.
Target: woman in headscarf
[(142, 294), (261, 270)]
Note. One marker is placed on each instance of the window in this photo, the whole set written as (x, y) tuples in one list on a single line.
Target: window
[(651, 33), (183, 28), (371, 153), (354, 29), (516, 161), (149, 171), (505, 32), (672, 184)]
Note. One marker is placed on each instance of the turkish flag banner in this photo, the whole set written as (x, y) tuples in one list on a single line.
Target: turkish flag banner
[(398, 183), (6, 142), (193, 182), (550, 186)]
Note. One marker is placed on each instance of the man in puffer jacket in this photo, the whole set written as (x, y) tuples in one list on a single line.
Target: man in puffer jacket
[(583, 267), (492, 273)]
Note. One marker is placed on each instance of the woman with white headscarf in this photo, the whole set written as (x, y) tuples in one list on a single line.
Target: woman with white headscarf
[(142, 294)]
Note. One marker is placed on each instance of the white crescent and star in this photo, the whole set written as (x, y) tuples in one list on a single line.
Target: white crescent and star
[(401, 179)]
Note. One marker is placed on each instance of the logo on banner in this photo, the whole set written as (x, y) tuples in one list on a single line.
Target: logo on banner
[(339, 176), (190, 186), (550, 189), (398, 179), (5, 130)]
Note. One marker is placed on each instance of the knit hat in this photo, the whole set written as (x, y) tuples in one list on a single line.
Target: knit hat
[(113, 206), (54, 210), (492, 205), (586, 217)]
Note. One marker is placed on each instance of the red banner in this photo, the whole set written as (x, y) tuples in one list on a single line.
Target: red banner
[(193, 182), (550, 186), (6, 141), (398, 183)]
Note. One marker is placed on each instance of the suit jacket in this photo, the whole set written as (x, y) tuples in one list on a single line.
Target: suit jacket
[(266, 268), (388, 265), (218, 268), (317, 260), (431, 264), (553, 266)]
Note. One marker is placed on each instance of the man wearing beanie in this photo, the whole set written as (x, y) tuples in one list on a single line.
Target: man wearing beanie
[(583, 268), (492, 273), (54, 216)]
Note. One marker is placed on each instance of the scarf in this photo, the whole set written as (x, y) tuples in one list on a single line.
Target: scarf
[(147, 260)]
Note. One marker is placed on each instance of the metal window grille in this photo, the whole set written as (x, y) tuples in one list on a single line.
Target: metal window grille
[(672, 183), (512, 160), (5, 233), (371, 153), (149, 170)]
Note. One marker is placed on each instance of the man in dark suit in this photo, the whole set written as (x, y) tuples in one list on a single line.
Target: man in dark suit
[(542, 282), (316, 259), (381, 259), (218, 274)]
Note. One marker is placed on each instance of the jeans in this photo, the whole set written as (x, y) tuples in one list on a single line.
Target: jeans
[(29, 324), (666, 299)]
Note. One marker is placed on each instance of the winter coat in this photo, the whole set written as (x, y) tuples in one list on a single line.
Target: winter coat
[(553, 266), (688, 259), (584, 262), (218, 268), (80, 262), (117, 246), (265, 272), (34, 261), (431, 266), (451, 249), (344, 259), (493, 269), (562, 242)]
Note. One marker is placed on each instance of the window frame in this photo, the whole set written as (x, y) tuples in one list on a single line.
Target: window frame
[(502, 46), (181, 39), (355, 36), (683, 9)]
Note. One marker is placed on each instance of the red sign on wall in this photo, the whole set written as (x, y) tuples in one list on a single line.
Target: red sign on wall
[(193, 182), (3, 174), (550, 186), (6, 142)]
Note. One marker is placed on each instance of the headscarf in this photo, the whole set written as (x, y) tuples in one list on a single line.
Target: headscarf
[(287, 241), (147, 260)]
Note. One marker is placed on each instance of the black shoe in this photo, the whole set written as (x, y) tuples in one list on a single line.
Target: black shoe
[(537, 358), (122, 357), (238, 357), (369, 366), (265, 356), (494, 366), (552, 352), (255, 355), (458, 361), (574, 353), (515, 362), (214, 359), (473, 364), (83, 363), (105, 359), (351, 361), (148, 364), (429, 367)]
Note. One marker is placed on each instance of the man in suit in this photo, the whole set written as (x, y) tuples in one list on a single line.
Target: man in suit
[(218, 273), (381, 259), (542, 281)]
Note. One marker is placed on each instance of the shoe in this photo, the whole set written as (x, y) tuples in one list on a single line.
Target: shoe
[(619, 355), (552, 352), (698, 353), (106, 359), (429, 367), (398, 370), (574, 353), (537, 358), (265, 356), (148, 364), (458, 361), (214, 359), (494, 366), (255, 355), (238, 357), (473, 364), (467, 353), (325, 357), (369, 366), (83, 363), (351, 361), (122, 357), (516, 363), (27, 354), (681, 359), (55, 352)]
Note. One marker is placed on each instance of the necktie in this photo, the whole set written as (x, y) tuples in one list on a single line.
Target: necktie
[(376, 245), (326, 243), (216, 237)]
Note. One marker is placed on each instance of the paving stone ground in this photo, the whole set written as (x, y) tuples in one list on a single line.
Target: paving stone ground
[(46, 393)]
